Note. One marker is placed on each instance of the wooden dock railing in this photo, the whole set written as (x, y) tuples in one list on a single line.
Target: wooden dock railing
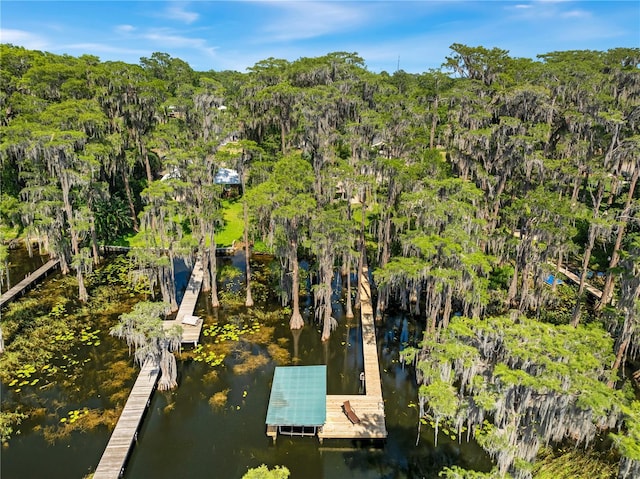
[(27, 282)]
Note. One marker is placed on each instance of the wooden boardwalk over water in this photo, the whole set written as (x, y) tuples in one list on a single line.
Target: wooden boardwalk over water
[(114, 458), (27, 282), (115, 455), (190, 332), (369, 407)]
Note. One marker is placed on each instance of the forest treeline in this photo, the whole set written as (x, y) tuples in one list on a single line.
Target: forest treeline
[(464, 189)]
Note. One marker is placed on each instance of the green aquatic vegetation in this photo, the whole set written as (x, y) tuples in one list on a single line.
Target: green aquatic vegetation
[(90, 337), (573, 463), (219, 399), (49, 340), (249, 362), (202, 354), (263, 472), (231, 299), (279, 354), (59, 309), (230, 331), (84, 419), (64, 335), (9, 421), (223, 336), (74, 415)]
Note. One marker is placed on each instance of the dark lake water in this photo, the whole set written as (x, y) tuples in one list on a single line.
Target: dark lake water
[(20, 265), (183, 435)]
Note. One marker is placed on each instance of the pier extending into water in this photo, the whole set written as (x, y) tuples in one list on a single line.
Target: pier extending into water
[(368, 407), (346, 416), (114, 458), (191, 325), (125, 434), (28, 282)]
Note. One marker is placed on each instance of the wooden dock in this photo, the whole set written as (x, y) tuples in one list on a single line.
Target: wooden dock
[(576, 279), (571, 276), (369, 407), (190, 332), (27, 282), (114, 458)]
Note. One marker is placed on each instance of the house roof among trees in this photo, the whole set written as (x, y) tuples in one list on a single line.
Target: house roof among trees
[(227, 176)]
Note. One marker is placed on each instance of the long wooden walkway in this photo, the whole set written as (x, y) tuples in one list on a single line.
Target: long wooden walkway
[(190, 332), (27, 282), (576, 279), (115, 455), (114, 458), (571, 276), (369, 407)]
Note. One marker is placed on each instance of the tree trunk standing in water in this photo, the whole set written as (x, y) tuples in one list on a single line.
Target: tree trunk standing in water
[(296, 321), (247, 250), (361, 259), (323, 296), (65, 186), (168, 343), (213, 268), (349, 307)]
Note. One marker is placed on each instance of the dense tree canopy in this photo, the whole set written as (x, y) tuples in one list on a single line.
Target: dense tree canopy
[(468, 191)]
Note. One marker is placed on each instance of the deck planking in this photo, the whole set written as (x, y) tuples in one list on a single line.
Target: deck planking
[(369, 407), (43, 270), (190, 333), (576, 279), (112, 463), (114, 458)]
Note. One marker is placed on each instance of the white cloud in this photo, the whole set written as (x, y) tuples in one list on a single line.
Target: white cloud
[(576, 14), (167, 38), (297, 20), (23, 38), (177, 11), (101, 48), (125, 28)]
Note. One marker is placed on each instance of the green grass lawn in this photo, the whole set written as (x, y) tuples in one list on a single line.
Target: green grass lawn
[(232, 229), (233, 224)]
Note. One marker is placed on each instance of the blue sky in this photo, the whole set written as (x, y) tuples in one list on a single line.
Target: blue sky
[(234, 35)]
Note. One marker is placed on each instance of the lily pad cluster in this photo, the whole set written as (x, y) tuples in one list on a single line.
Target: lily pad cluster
[(89, 337), (74, 415), (212, 358), (23, 377), (230, 331), (222, 334)]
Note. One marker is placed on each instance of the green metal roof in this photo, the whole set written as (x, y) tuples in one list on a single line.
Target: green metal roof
[(298, 396)]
